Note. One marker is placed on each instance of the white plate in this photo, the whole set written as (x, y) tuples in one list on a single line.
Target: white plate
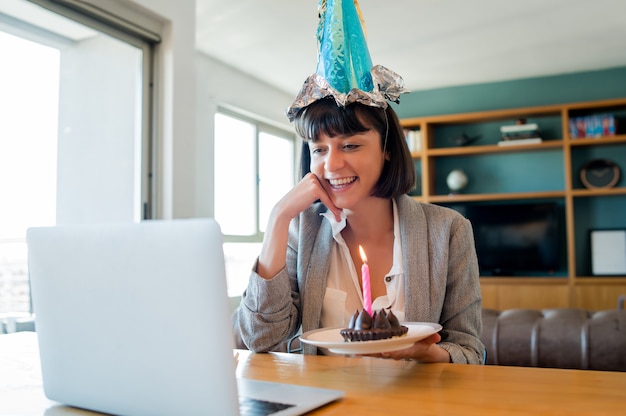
[(331, 339)]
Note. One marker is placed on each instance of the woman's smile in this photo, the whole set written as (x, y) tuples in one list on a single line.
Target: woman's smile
[(341, 183)]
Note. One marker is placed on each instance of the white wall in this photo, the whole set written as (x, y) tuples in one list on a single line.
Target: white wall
[(193, 86), (222, 86), (176, 127)]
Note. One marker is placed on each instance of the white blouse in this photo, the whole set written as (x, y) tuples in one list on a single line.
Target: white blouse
[(343, 292)]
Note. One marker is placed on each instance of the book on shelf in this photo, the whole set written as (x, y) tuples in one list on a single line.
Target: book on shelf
[(515, 142), (521, 135), (593, 126), (516, 128), (520, 132), (413, 139)]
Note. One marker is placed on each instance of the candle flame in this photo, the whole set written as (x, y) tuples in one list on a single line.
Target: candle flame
[(363, 256)]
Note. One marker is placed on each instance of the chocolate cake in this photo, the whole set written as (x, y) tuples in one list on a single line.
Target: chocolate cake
[(382, 325)]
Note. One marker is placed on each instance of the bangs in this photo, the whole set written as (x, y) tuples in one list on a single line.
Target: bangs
[(326, 117)]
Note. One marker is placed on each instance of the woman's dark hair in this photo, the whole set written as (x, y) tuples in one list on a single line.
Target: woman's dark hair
[(326, 117)]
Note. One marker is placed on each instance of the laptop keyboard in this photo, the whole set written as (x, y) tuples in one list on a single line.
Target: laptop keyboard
[(255, 407)]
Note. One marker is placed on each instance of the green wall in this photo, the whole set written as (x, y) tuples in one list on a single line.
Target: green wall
[(510, 172), (581, 86)]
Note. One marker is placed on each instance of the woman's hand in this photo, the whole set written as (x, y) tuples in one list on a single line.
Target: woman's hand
[(301, 196), (274, 251), (425, 351)]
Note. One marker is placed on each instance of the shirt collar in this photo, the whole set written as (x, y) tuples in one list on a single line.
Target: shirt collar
[(338, 226)]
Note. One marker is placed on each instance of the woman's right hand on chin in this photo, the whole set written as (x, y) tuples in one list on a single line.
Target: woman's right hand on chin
[(301, 196), (273, 253)]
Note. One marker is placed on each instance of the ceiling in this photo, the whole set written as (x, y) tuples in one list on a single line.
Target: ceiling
[(431, 44)]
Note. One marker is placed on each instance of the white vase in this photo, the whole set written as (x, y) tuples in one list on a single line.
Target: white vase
[(456, 180)]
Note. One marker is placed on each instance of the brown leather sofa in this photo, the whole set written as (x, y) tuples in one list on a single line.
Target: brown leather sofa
[(558, 338)]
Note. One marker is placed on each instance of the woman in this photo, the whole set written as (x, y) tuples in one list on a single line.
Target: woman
[(357, 170)]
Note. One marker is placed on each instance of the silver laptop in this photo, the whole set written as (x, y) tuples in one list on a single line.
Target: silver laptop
[(134, 319)]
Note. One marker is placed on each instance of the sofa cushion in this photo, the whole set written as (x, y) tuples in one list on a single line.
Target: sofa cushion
[(558, 338)]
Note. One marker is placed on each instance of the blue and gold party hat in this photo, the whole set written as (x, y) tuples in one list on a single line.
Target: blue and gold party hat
[(344, 67)]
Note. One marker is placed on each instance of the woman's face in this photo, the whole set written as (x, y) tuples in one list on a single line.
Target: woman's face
[(348, 166)]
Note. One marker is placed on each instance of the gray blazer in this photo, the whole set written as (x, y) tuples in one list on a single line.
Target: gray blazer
[(440, 267)]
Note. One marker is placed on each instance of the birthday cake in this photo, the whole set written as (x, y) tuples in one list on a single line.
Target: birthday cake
[(364, 327)]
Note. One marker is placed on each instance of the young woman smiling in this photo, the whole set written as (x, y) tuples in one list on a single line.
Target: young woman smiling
[(356, 171)]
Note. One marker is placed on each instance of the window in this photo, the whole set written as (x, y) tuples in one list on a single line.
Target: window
[(27, 158), (74, 130), (254, 168)]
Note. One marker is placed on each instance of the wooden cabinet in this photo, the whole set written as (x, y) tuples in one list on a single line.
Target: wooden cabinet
[(546, 171)]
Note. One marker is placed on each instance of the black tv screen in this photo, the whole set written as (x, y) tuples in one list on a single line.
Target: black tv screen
[(513, 239)]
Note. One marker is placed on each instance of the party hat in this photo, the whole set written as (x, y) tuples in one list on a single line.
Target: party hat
[(344, 67)]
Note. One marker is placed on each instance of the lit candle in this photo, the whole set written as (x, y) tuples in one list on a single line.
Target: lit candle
[(365, 278)]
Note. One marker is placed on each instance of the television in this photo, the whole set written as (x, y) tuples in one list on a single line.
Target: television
[(516, 239)]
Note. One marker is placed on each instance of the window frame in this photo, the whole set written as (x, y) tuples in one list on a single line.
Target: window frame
[(146, 39), (258, 127)]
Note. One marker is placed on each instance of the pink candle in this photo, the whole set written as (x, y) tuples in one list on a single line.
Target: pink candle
[(365, 277)]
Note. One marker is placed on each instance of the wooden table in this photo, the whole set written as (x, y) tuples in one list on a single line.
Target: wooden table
[(385, 387), (373, 386)]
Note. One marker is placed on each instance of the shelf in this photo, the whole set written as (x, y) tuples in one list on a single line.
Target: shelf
[(598, 192), (486, 149), (544, 171), (599, 141), (479, 116), (521, 280), (604, 280), (592, 105), (452, 198)]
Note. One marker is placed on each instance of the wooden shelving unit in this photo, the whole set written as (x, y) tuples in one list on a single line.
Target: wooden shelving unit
[(560, 155)]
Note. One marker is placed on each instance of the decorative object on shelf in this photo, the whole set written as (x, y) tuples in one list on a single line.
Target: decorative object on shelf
[(600, 174), (466, 140), (593, 126), (456, 180), (520, 133), (608, 252)]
